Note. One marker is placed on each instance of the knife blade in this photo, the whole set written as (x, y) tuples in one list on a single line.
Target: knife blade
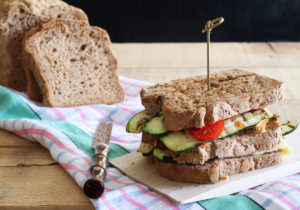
[(94, 185)]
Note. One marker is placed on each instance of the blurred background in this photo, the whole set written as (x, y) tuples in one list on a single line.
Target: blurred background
[(182, 20)]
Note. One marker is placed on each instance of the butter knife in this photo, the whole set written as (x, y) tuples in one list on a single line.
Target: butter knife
[(94, 185)]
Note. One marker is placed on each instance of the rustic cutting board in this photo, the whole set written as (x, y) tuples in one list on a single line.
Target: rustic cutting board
[(140, 169)]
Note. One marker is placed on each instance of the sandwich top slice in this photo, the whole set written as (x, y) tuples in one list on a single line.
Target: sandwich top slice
[(186, 102), (195, 135)]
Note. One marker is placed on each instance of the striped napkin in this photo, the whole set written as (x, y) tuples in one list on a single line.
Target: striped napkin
[(68, 132)]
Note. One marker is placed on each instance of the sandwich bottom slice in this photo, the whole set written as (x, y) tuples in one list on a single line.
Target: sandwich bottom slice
[(180, 157), (214, 170)]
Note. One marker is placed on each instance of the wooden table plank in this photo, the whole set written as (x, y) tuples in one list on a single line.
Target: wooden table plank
[(27, 156), (31, 179), (48, 186), (8, 139), (162, 55), (40, 186)]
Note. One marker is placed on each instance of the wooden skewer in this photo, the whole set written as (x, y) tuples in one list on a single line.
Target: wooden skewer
[(211, 24)]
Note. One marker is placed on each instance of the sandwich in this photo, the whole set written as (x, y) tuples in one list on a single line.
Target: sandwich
[(196, 135)]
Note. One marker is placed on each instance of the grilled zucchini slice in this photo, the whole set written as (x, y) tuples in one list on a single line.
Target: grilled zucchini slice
[(145, 149), (244, 121), (179, 141), (288, 127), (137, 122), (162, 155), (155, 126)]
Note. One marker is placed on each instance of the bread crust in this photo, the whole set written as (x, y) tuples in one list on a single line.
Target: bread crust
[(186, 102), (214, 170), (32, 88)]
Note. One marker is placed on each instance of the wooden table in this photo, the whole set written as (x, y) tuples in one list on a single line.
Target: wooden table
[(31, 179)]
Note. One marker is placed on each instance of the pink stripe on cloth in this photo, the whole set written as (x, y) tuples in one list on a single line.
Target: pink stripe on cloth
[(106, 203), (127, 110), (73, 167), (98, 110), (117, 180), (163, 199), (108, 189), (288, 185), (133, 202), (119, 123), (129, 105), (294, 177), (58, 114), (121, 141), (282, 199), (81, 114), (131, 95), (166, 201), (105, 115), (51, 137), (89, 126), (131, 84)]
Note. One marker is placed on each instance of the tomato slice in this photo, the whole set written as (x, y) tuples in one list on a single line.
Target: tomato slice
[(209, 132)]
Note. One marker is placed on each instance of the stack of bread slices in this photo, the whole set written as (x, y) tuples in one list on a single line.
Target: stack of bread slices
[(49, 50)]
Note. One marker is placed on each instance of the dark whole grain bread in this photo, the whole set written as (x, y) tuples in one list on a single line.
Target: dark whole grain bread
[(214, 170), (16, 18), (32, 88), (65, 71), (243, 143), (186, 102)]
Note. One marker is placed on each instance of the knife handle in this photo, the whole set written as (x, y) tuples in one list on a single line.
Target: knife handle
[(94, 186), (102, 149), (100, 160)]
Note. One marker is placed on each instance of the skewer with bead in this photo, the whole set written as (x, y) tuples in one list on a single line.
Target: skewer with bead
[(211, 24)]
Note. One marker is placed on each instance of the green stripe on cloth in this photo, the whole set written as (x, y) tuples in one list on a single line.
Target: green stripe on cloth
[(230, 202), (12, 107), (116, 151)]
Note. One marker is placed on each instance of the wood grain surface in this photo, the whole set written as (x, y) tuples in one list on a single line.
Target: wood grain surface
[(31, 179)]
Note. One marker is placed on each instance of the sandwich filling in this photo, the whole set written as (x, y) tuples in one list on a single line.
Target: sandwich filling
[(185, 147)]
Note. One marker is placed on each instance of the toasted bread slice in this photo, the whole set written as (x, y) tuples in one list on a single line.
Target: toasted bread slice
[(214, 170), (16, 18), (244, 143), (186, 102), (66, 72)]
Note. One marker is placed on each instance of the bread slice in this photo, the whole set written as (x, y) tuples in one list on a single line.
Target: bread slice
[(32, 88), (186, 102), (74, 68), (243, 143), (16, 18), (214, 170)]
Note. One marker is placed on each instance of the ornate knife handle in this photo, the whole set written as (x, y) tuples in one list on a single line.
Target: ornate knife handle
[(94, 186)]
